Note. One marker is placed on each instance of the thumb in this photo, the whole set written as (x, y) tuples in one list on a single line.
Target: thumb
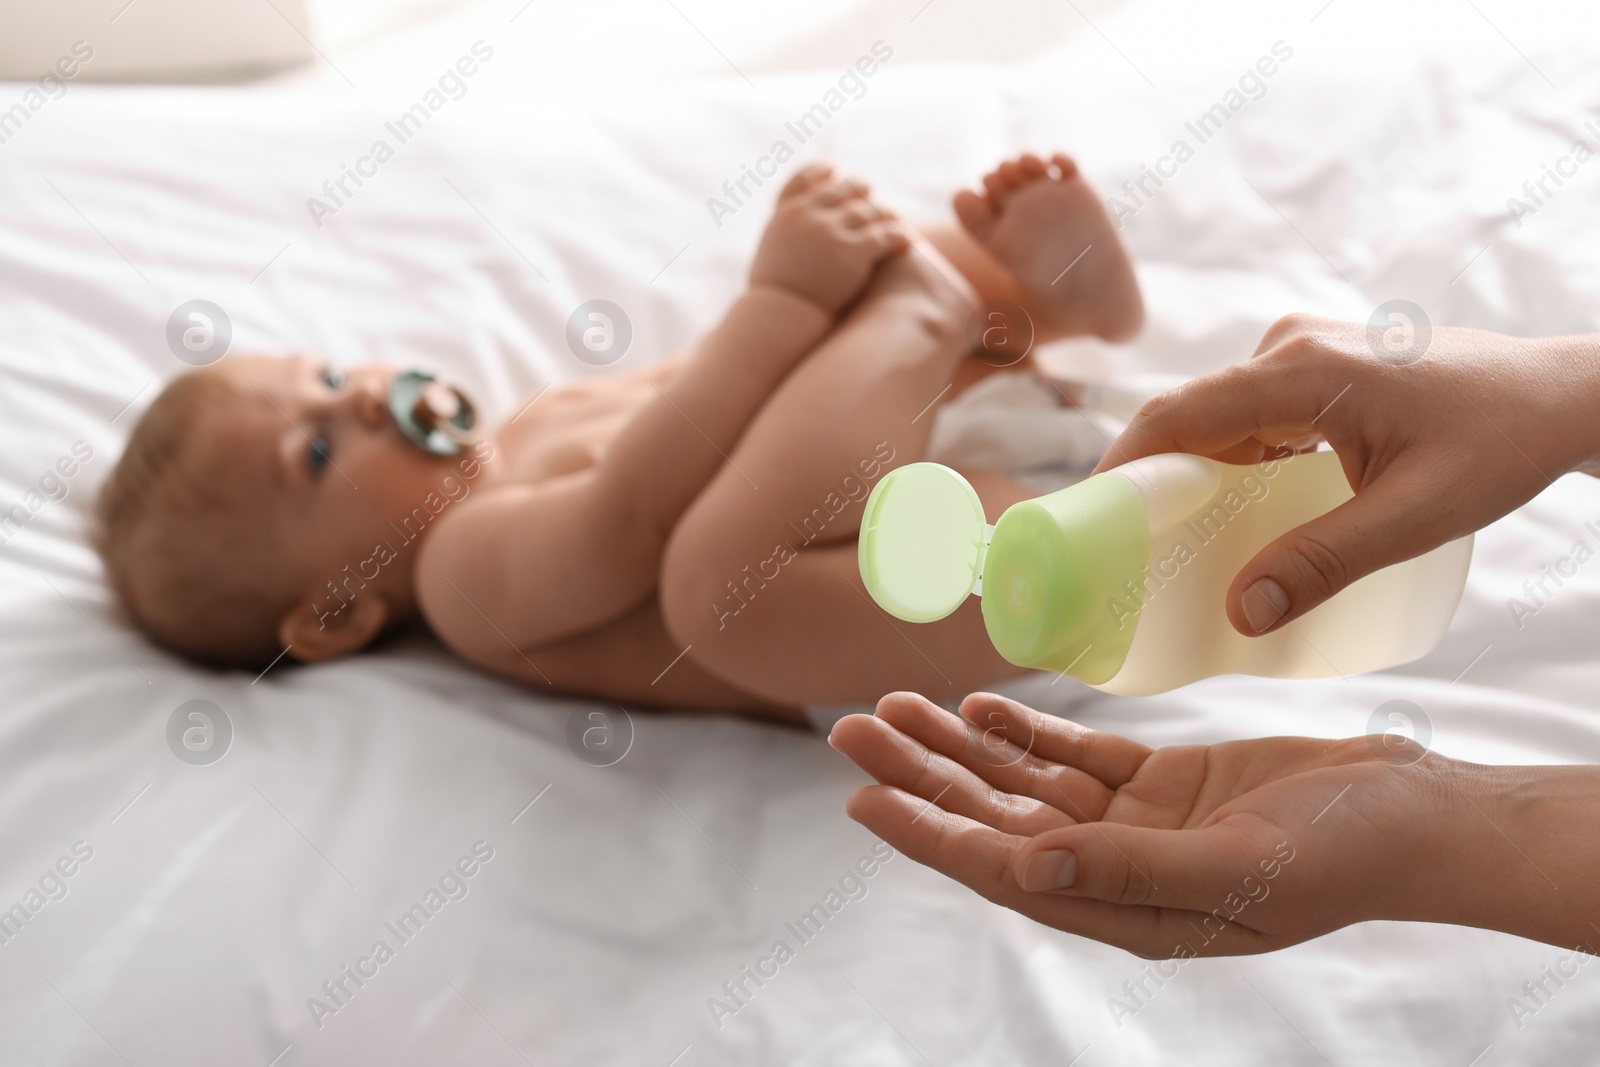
[(1193, 869), (1379, 526)]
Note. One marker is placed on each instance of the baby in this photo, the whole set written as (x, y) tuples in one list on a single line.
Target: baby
[(684, 536)]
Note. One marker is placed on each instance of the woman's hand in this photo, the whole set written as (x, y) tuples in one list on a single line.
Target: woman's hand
[(1198, 850), (1438, 437)]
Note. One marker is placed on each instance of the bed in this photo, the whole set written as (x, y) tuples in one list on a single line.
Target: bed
[(228, 912)]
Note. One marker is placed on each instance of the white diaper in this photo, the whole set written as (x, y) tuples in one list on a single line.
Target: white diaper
[(1019, 424)]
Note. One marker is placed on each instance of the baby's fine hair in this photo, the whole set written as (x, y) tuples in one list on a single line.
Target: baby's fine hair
[(181, 551)]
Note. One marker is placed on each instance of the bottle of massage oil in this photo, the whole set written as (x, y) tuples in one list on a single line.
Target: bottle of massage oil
[(1119, 580)]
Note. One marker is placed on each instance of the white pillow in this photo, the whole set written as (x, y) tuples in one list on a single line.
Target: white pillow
[(149, 40)]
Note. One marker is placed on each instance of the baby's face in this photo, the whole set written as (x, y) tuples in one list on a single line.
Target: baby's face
[(324, 463)]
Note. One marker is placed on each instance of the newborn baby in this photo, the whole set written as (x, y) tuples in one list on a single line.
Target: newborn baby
[(683, 536)]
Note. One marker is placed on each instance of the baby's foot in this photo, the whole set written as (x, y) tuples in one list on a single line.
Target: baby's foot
[(1046, 225), (825, 238)]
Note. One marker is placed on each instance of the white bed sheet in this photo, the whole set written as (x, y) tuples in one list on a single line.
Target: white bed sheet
[(218, 899)]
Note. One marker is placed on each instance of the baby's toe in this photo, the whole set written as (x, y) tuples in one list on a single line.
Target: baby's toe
[(884, 237), (860, 212), (840, 190), (1065, 165), (858, 186), (1032, 166), (974, 212), (806, 177)]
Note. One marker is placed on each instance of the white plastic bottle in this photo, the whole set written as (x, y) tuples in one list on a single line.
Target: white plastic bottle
[(1120, 580)]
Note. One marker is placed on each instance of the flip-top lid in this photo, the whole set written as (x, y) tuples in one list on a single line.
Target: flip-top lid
[(922, 542)]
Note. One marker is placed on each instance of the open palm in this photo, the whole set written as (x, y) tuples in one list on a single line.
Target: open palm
[(1230, 848)]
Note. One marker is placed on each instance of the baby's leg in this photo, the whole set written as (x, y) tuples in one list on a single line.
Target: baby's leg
[(761, 580), (760, 577)]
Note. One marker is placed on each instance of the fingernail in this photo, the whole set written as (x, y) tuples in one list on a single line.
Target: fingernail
[(1056, 869), (1264, 603)]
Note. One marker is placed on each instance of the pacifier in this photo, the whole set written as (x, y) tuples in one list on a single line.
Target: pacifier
[(432, 414)]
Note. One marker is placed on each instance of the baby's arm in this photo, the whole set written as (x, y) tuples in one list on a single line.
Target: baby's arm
[(540, 561), (547, 559)]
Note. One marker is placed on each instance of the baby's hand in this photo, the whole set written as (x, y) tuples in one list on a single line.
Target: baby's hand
[(825, 238)]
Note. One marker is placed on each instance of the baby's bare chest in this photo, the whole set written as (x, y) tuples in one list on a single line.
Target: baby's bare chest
[(569, 427)]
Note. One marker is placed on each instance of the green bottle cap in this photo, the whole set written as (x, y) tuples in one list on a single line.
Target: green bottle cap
[(1065, 578), (922, 542), (1062, 575)]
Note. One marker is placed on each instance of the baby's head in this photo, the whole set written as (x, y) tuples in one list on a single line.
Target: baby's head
[(262, 504)]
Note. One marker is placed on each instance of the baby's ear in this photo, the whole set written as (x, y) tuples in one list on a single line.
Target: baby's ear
[(314, 635)]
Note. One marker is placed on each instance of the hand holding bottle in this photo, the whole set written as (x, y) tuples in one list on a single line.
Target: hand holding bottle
[(1436, 442)]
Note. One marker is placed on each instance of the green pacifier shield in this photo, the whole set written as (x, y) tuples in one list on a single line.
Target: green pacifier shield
[(440, 427), (921, 544)]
